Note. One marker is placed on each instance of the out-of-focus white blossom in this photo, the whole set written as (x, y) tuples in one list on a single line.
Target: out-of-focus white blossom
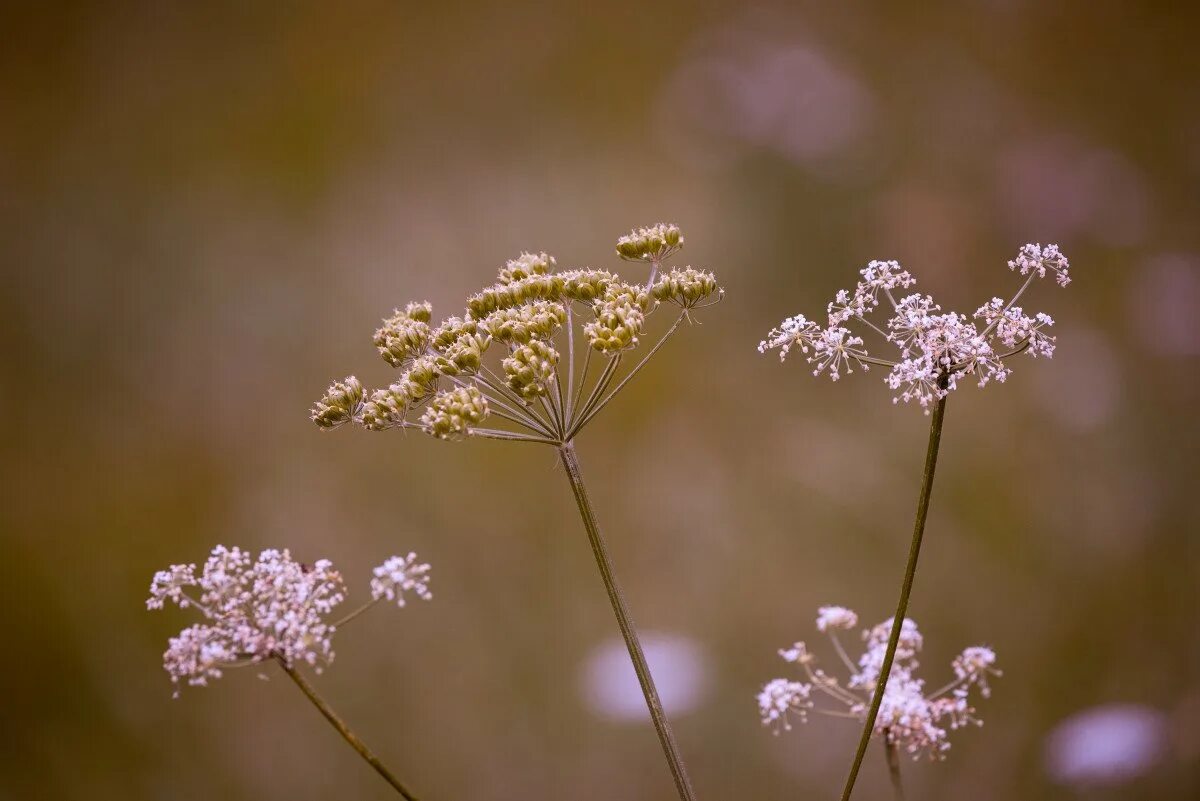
[(1106, 745), (835, 617), (272, 607), (912, 719), (780, 698), (935, 348)]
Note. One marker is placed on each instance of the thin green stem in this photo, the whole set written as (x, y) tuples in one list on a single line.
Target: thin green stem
[(350, 616), (910, 570), (893, 762), (603, 561), (344, 730)]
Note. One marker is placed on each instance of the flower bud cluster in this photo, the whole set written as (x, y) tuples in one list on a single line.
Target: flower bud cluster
[(340, 403), (445, 379), (686, 287), (530, 368), (586, 286), (451, 413), (405, 334), (506, 296), (524, 266), (656, 243), (539, 319), (620, 317)]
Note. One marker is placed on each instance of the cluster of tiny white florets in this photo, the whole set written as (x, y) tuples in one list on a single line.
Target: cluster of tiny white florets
[(272, 607), (935, 348), (444, 379), (910, 718), (399, 575)]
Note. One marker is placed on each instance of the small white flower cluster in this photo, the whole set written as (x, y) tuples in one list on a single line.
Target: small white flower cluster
[(935, 348), (270, 608), (397, 576), (910, 718)]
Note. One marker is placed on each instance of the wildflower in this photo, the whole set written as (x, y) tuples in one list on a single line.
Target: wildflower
[(531, 318), (835, 617), (910, 718), (405, 334), (340, 404), (934, 348), (781, 697), (656, 243), (272, 607), (452, 413), (525, 266), (541, 331), (686, 288), (397, 576), (530, 368)]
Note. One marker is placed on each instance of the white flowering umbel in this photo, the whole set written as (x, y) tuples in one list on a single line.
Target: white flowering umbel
[(272, 607), (545, 329), (933, 349), (910, 718)]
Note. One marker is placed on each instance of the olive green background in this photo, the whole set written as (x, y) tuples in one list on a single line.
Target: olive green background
[(205, 209)]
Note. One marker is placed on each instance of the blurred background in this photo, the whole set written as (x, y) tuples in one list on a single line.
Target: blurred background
[(205, 209)]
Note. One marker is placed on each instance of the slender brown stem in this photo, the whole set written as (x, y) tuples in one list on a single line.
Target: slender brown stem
[(910, 570), (670, 748), (893, 762), (344, 730)]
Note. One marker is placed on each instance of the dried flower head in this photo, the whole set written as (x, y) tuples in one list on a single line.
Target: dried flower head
[(910, 718), (655, 243), (934, 348), (272, 607), (545, 327)]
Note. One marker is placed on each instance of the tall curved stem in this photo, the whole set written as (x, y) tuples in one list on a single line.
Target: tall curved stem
[(910, 570), (358, 745), (683, 784)]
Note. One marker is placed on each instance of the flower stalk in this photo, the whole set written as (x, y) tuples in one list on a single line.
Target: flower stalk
[(662, 725), (892, 755), (910, 571), (527, 320), (357, 744)]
